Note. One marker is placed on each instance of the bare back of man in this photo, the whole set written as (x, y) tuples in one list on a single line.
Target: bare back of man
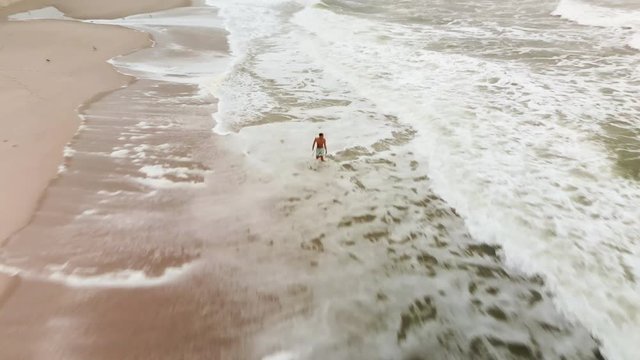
[(320, 145)]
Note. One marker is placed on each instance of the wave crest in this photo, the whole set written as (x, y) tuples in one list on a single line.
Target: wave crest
[(602, 16)]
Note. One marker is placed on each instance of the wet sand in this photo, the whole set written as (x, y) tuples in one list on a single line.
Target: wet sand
[(44, 80), (371, 264), (104, 216), (58, 306)]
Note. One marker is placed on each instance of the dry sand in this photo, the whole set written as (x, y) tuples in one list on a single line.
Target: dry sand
[(7, 2), (92, 9)]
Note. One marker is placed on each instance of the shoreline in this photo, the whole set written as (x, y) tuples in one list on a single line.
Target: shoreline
[(37, 83), (110, 231), (82, 67), (51, 81)]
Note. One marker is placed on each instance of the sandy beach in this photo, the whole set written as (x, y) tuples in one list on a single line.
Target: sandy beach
[(44, 82), (90, 9), (45, 79)]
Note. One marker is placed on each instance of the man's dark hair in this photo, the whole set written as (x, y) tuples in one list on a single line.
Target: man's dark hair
[(321, 134)]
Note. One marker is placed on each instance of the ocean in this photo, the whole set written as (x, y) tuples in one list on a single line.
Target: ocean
[(522, 115)]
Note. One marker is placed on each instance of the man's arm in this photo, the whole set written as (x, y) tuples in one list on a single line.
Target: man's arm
[(314, 144)]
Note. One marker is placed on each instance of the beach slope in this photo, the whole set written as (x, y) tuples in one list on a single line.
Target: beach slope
[(44, 80)]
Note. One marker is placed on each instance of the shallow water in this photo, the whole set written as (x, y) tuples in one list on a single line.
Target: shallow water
[(522, 115)]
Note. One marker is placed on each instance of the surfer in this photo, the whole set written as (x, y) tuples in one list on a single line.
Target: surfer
[(320, 145)]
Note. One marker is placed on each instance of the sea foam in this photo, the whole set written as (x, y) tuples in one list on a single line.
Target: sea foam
[(616, 18), (117, 279), (510, 150)]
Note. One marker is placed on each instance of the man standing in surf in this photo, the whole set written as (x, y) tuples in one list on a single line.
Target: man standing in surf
[(320, 145)]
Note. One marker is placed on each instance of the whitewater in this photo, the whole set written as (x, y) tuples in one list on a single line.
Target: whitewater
[(524, 115)]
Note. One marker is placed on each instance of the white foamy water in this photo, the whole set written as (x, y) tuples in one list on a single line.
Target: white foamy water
[(121, 279), (284, 355), (525, 120), (197, 61), (83, 278), (620, 16)]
